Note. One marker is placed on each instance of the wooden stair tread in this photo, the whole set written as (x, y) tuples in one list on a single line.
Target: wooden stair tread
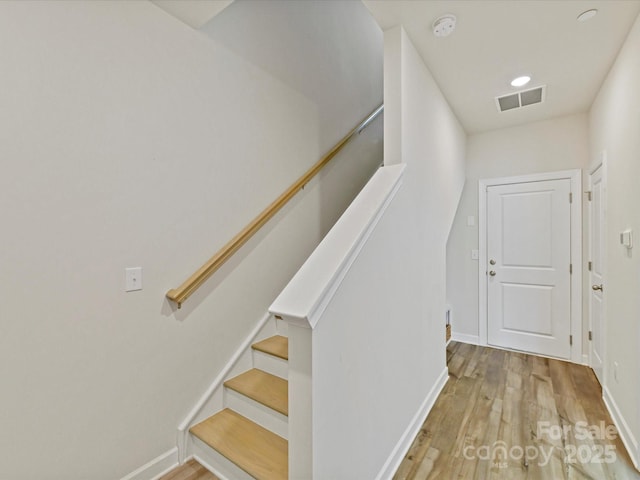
[(262, 387), (254, 449), (277, 346)]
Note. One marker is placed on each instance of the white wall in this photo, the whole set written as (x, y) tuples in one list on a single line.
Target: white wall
[(381, 340), (130, 139), (368, 305), (320, 49), (377, 352), (552, 145), (614, 125)]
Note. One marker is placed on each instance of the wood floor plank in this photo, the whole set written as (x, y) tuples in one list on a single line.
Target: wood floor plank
[(527, 406), (456, 366), (422, 443), (426, 466), (511, 430), (191, 470), (472, 365), (561, 379)]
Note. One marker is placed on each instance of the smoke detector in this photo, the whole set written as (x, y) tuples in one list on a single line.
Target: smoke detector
[(588, 15), (444, 25)]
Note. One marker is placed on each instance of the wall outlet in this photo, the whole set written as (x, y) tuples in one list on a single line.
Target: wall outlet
[(475, 254), (133, 279)]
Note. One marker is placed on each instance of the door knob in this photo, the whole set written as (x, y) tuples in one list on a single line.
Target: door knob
[(492, 262), (492, 273), (597, 287)]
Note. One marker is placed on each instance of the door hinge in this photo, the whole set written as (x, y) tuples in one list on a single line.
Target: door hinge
[(570, 268), (590, 335), (570, 339), (588, 195), (570, 197), (590, 265)]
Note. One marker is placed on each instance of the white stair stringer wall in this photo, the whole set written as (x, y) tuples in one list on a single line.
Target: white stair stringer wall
[(365, 310), (217, 397), (341, 341)]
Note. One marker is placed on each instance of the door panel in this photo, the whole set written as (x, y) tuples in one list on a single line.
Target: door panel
[(596, 275), (528, 243), (527, 308), (529, 288)]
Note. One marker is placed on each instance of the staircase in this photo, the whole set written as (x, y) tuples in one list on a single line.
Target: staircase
[(248, 438)]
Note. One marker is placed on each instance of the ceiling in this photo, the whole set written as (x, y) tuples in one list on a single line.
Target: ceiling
[(194, 13), (496, 41)]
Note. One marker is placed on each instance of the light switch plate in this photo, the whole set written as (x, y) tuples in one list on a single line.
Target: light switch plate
[(471, 221), (133, 279), (475, 254)]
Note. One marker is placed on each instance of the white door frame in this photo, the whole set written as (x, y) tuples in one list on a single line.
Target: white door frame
[(602, 163), (575, 177)]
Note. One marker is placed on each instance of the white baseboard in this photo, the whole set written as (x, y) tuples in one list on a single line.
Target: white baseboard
[(464, 338), (156, 468), (402, 447), (625, 432), (585, 360)]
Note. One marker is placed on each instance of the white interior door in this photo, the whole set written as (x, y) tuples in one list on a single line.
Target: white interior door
[(596, 280), (528, 261)]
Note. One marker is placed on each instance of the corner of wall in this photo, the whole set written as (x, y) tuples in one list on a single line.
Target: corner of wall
[(393, 95)]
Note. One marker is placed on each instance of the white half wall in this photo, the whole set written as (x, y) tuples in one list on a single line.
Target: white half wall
[(614, 127), (552, 145), (369, 303), (422, 132)]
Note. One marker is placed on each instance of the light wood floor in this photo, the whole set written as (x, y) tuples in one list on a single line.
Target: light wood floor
[(191, 470), (501, 416), (496, 396)]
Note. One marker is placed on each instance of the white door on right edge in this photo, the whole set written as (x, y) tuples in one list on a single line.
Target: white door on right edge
[(596, 229), (528, 255)]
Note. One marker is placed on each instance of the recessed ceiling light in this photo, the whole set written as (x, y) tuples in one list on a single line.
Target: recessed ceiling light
[(589, 14), (520, 81), (444, 25)]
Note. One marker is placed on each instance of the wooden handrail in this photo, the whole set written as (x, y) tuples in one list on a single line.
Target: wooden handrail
[(191, 284)]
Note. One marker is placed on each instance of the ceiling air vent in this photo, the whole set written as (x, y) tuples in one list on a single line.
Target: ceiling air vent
[(521, 99)]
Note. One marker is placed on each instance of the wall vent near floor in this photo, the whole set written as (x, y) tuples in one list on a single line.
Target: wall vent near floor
[(448, 323), (521, 99)]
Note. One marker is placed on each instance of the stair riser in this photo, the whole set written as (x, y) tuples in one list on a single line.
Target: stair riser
[(257, 412), (270, 364), (217, 464)]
